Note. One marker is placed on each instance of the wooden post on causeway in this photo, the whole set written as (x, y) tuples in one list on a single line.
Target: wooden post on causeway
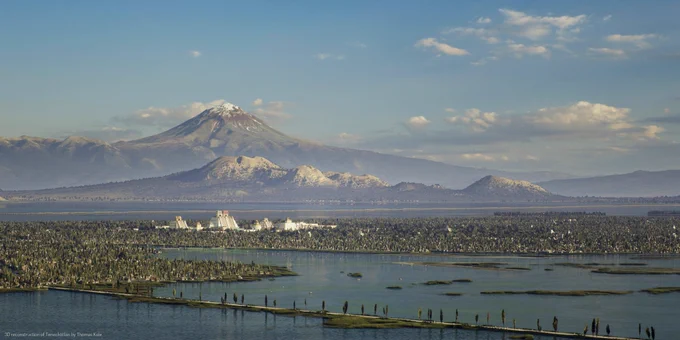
[(320, 314)]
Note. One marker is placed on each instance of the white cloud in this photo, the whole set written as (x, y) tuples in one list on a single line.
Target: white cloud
[(537, 27), (580, 116), (329, 56), (477, 157), (482, 33), (639, 40), (450, 110), (666, 110), (257, 102), (417, 122), (520, 50), (649, 132), (358, 44), (483, 61), (531, 158), (484, 20), (441, 47), (522, 19), (607, 17), (195, 54), (274, 110), (477, 120), (611, 52), (347, 138)]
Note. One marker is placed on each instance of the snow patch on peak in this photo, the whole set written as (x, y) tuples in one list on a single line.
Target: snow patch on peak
[(224, 109)]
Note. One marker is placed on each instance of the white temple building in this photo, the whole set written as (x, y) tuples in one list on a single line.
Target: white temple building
[(178, 223), (289, 225), (223, 221)]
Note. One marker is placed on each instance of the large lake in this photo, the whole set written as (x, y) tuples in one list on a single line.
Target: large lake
[(50, 211), (321, 279)]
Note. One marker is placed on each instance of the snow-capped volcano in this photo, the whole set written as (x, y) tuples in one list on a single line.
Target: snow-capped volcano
[(217, 127)]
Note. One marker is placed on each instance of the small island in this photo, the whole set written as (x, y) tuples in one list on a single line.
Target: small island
[(638, 271), (661, 290), (452, 294), (394, 287), (355, 275)]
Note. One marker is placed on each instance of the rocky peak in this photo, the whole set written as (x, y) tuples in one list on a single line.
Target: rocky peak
[(504, 187), (308, 176)]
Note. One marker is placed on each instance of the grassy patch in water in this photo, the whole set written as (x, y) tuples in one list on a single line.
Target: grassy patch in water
[(518, 268), (475, 265), (638, 271), (575, 265), (394, 287), (355, 275), (452, 294), (522, 337), (348, 321), (559, 293), (661, 290), (462, 281), (438, 282)]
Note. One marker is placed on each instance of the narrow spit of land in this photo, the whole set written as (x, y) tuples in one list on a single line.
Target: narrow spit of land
[(340, 320)]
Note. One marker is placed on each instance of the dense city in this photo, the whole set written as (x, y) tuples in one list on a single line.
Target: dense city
[(36, 254)]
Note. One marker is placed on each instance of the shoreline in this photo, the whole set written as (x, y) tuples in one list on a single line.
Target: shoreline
[(354, 321), (440, 254), (348, 209)]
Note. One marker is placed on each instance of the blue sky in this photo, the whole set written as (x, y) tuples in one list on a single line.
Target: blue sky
[(584, 87)]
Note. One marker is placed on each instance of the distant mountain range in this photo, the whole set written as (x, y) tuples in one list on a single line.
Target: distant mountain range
[(256, 179), (634, 184), (225, 130)]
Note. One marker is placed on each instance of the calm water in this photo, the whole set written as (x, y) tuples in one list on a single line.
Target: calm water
[(321, 279), (108, 318), (200, 211)]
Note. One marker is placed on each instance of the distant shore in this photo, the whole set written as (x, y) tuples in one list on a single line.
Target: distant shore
[(412, 207)]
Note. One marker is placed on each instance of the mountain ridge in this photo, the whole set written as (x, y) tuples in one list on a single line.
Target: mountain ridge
[(639, 183), (257, 179), (224, 130)]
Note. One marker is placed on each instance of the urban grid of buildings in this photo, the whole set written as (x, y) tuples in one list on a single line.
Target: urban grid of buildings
[(222, 221)]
